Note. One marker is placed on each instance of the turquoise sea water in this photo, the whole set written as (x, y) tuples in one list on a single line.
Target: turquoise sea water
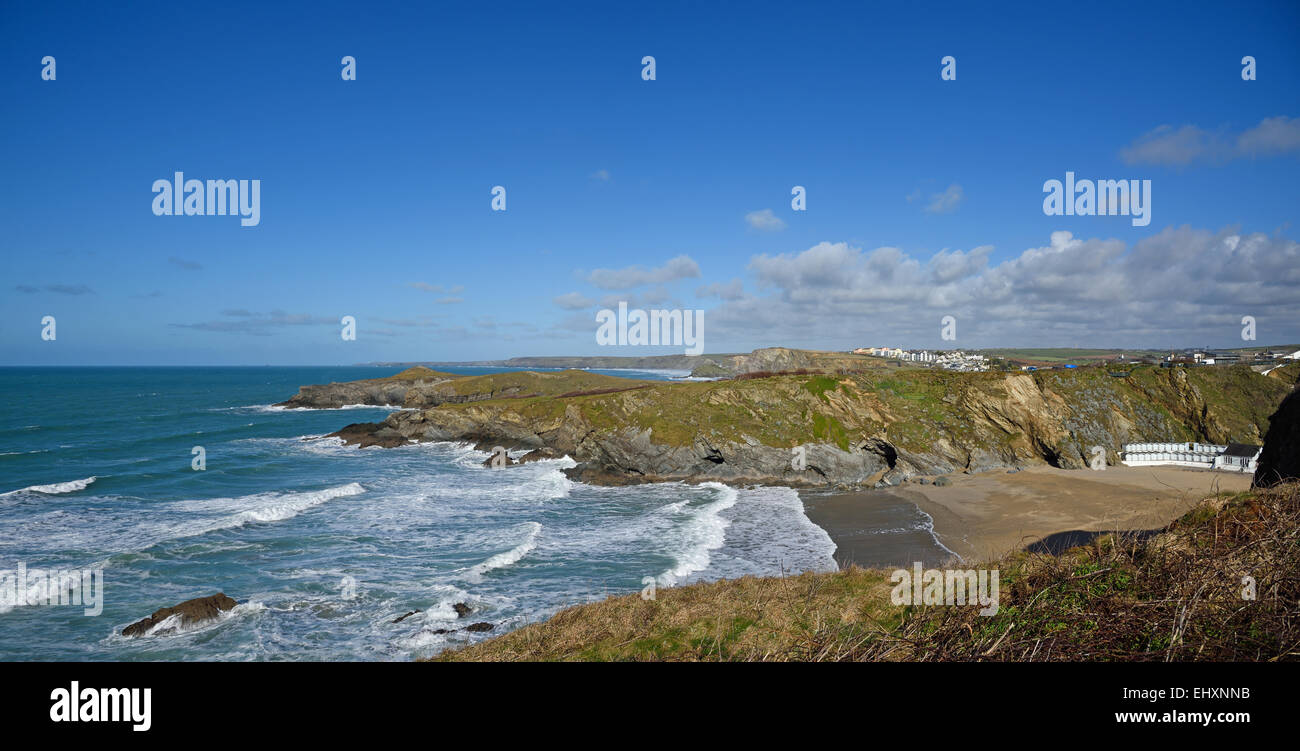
[(324, 545)]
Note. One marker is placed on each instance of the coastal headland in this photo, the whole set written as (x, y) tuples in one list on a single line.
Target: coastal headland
[(827, 425), (998, 461)]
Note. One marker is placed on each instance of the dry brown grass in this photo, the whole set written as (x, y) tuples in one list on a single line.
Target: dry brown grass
[(1174, 596), (1177, 596), (738, 619)]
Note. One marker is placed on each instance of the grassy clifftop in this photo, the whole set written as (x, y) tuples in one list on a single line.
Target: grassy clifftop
[(1049, 415), (517, 384), (883, 425), (418, 387), (1177, 595)]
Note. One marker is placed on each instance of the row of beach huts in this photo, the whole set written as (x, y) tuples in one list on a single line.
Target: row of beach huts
[(1232, 457)]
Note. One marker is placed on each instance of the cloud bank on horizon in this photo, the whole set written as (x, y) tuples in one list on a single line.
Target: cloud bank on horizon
[(1174, 285)]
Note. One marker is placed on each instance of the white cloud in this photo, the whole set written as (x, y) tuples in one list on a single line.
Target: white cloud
[(1179, 147), (649, 298), (765, 221), (601, 175), (732, 290), (1180, 287), (574, 301), (437, 288), (947, 201), (681, 267), (1274, 135), (257, 323)]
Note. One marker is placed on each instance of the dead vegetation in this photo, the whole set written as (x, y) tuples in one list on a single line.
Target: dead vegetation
[(1180, 595), (1177, 595)]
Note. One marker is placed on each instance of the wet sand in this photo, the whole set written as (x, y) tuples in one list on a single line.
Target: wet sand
[(875, 529), (985, 515)]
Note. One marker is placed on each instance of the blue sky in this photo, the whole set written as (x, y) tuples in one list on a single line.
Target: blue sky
[(924, 196)]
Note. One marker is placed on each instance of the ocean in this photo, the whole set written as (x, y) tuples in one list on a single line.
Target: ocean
[(325, 546)]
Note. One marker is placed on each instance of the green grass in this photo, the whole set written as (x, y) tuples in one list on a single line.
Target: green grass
[(819, 385), (913, 409)]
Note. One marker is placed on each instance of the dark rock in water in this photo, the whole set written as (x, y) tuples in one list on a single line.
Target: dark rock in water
[(923, 480), (399, 619), (1280, 459), (591, 474), (191, 612), (506, 461), (1013, 470), (462, 609), (537, 455), (363, 434), (482, 626), (942, 482)]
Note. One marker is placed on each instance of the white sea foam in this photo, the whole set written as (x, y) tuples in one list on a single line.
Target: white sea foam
[(508, 558), (704, 532), (57, 488), (279, 408), (535, 482), (259, 507), (771, 535), (127, 532), (547, 486), (928, 525)]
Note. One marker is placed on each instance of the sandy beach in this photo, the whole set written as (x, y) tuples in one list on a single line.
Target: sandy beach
[(985, 515)]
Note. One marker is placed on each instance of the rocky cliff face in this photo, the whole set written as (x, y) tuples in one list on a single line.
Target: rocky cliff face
[(421, 388), (379, 392), (1280, 459), (858, 429)]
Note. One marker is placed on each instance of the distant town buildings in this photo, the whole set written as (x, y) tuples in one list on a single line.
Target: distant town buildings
[(949, 360), (1262, 360), (1234, 457), (1210, 357)]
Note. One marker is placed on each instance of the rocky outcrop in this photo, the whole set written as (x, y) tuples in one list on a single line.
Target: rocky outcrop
[(857, 429), (366, 434), (461, 609), (536, 455), (190, 612), (774, 360), (710, 369), (379, 392), (1280, 459), (472, 628)]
